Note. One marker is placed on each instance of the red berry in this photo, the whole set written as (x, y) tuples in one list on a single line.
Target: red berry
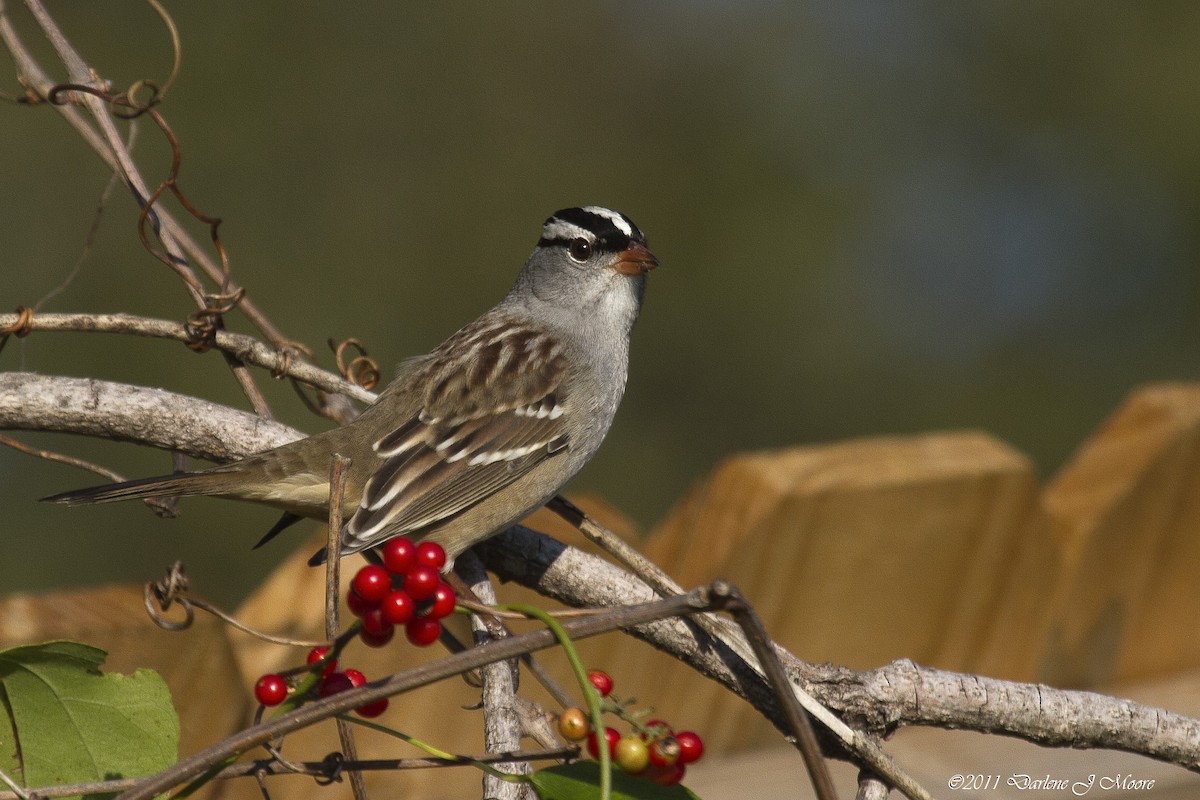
[(444, 601), (335, 683), (423, 631), (372, 583), (356, 604), (399, 555), (316, 654), (374, 623), (611, 735), (602, 682), (271, 690), (691, 746), (371, 710), (656, 728), (431, 554), (421, 582), (664, 752), (665, 776), (377, 639), (398, 608)]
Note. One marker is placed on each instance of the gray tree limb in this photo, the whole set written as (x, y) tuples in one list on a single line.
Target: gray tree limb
[(126, 413)]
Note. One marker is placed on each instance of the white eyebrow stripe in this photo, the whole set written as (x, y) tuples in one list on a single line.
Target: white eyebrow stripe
[(559, 229), (611, 216)]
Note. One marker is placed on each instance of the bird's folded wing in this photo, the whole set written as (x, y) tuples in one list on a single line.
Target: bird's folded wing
[(480, 429)]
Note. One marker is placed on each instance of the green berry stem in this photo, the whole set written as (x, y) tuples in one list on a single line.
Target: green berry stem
[(433, 751), (589, 692)]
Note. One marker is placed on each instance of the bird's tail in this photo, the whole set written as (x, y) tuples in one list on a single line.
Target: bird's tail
[(181, 483)]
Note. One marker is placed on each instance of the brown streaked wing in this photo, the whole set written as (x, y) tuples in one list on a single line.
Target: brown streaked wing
[(492, 366), (489, 417)]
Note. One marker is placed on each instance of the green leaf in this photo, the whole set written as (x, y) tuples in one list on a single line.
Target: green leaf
[(581, 781), (68, 722), (8, 737)]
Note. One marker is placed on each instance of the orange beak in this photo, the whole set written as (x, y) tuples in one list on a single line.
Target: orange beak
[(635, 260)]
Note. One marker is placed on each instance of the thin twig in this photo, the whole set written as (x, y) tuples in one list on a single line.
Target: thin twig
[(50, 455), (333, 544), (548, 681), (333, 558), (266, 637), (176, 47), (78, 72), (246, 348), (258, 401), (172, 589), (17, 791), (90, 239), (802, 730), (107, 143), (614, 545), (261, 779), (270, 766)]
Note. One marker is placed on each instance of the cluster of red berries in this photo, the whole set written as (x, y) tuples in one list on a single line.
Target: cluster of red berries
[(654, 751), (407, 590), (272, 689)]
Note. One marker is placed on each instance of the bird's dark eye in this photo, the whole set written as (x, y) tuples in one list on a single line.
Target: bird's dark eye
[(580, 249)]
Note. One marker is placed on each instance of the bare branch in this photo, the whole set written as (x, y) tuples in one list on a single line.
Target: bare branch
[(502, 719), (126, 413), (871, 788), (78, 72), (38, 84), (880, 700), (904, 693), (245, 348), (180, 249)]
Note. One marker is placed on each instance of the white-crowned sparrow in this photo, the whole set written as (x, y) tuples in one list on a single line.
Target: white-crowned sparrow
[(483, 430)]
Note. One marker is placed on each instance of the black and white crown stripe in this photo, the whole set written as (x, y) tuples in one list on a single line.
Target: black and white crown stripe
[(619, 220), (609, 229), (452, 454)]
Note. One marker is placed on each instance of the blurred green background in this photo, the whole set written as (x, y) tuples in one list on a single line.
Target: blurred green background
[(872, 219)]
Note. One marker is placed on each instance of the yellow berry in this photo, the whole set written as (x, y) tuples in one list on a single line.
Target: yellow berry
[(573, 724), (632, 755)]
